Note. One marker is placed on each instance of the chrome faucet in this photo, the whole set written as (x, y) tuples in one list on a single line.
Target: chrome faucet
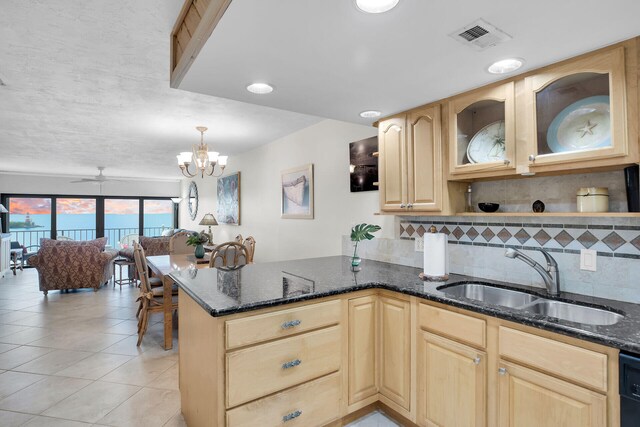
[(550, 275)]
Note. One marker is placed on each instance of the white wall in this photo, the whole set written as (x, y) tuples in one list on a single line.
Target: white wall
[(326, 145), (45, 184)]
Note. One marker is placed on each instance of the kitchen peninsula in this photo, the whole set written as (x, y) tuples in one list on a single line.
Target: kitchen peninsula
[(312, 342)]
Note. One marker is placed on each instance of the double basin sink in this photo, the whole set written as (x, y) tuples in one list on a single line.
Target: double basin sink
[(533, 304)]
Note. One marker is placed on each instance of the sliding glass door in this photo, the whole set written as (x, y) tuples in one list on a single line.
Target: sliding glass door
[(76, 218), (158, 217), (32, 217), (121, 218), (29, 219)]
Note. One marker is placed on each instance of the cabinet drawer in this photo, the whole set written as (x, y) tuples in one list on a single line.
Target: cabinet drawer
[(458, 326), (315, 403), (264, 369), (278, 324), (576, 364)]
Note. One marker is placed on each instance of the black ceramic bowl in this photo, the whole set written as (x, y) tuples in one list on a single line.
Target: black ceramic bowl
[(488, 207)]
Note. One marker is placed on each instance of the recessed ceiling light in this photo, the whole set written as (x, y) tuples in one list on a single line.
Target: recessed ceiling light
[(370, 114), (260, 88), (376, 6), (505, 66)]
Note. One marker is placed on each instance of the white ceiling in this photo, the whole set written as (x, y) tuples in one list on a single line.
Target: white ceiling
[(329, 59), (87, 84)]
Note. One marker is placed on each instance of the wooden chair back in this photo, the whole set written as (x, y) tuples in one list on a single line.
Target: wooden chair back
[(250, 244), (141, 266), (238, 238), (229, 254), (178, 243)]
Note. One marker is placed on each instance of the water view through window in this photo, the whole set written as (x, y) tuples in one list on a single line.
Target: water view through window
[(76, 218), (29, 219), (86, 217), (121, 218), (158, 217)]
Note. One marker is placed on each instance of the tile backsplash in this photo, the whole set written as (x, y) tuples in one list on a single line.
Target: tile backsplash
[(476, 248), (608, 240)]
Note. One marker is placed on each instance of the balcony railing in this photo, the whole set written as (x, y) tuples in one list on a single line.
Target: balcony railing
[(114, 235)]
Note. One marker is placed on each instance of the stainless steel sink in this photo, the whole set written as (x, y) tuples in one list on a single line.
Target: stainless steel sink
[(533, 304), (490, 294), (573, 312)]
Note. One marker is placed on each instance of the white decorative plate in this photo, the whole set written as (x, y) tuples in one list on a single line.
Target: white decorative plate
[(488, 145), (583, 125)]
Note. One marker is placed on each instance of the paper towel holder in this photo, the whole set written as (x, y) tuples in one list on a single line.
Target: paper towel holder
[(428, 278)]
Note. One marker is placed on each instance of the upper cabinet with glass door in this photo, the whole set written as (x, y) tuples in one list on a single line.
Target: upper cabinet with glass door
[(482, 133), (576, 113)]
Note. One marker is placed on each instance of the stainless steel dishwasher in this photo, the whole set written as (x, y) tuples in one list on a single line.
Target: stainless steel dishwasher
[(629, 390)]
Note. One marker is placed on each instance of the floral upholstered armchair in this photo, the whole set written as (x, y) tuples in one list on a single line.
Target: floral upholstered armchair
[(72, 265)]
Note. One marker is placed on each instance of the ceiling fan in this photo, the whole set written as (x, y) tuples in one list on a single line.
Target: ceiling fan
[(98, 179)]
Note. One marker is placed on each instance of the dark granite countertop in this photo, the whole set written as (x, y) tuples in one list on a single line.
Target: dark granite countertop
[(272, 284)]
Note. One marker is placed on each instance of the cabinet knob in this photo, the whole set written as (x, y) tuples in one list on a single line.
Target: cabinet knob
[(291, 416), (409, 206), (532, 157), (402, 205), (476, 361), (291, 324), (502, 371), (291, 364)]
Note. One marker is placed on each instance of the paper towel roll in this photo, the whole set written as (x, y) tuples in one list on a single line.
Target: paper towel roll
[(436, 256)]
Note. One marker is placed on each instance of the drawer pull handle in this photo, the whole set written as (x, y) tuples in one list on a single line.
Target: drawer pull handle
[(502, 371), (291, 364), (291, 324), (291, 416), (476, 361)]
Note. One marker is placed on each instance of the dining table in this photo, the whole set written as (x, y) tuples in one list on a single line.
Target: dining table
[(161, 266)]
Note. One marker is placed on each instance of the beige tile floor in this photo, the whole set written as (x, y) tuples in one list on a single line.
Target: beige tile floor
[(70, 359)]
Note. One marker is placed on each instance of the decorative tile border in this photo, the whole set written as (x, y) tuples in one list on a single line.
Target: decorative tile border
[(621, 241)]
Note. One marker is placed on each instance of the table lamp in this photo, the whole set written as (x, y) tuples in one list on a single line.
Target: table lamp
[(3, 210), (209, 219)]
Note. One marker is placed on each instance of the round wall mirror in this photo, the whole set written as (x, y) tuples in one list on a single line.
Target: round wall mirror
[(192, 201)]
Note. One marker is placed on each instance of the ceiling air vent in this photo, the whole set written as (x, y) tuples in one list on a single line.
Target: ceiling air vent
[(480, 35)]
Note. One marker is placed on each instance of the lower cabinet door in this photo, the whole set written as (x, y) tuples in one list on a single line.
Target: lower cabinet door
[(362, 348), (313, 404), (451, 383), (395, 351), (530, 398)]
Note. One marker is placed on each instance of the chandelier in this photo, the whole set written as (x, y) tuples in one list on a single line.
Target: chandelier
[(205, 161)]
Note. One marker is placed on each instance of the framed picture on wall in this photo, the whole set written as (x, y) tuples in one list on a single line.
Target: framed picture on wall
[(229, 199), (297, 192), (363, 164)]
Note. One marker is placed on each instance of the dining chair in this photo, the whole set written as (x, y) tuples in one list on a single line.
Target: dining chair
[(229, 254), (151, 299), (178, 243), (250, 244)]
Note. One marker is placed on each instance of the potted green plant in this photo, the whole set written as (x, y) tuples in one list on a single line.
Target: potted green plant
[(197, 240), (359, 233)]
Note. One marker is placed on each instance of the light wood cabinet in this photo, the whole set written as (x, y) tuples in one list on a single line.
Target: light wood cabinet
[(424, 160), (363, 363), (427, 363), (528, 398), (482, 133), (392, 161), (563, 126), (395, 351), (412, 164), (451, 383)]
